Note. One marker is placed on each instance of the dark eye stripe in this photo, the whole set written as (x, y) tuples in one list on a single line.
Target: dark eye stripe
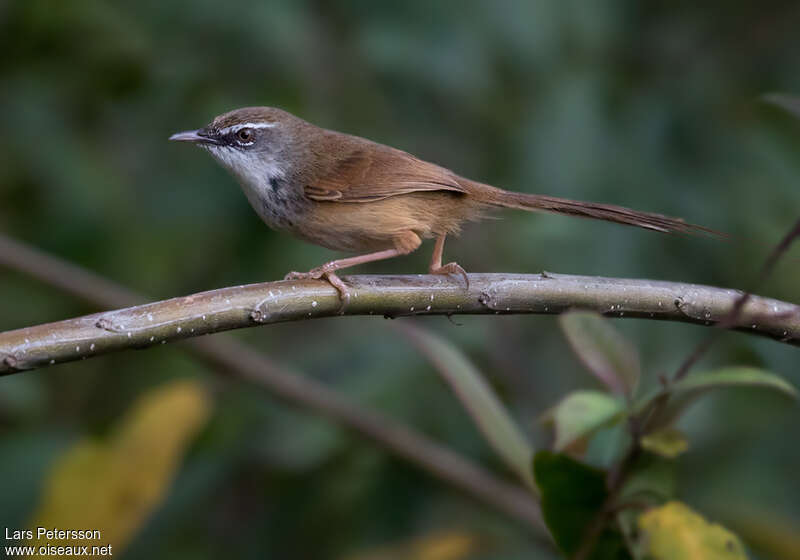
[(232, 138)]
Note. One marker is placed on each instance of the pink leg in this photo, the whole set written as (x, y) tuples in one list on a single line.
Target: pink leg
[(360, 259), (404, 244), (436, 256), (328, 269), (436, 266)]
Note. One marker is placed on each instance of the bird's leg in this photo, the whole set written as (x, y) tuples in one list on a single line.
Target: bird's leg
[(404, 244), (328, 270), (436, 266)]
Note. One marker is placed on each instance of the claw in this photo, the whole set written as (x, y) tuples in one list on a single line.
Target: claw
[(313, 274), (452, 268), (328, 276), (341, 287), (294, 275)]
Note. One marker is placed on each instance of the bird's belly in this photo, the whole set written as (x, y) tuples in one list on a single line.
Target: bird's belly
[(360, 227)]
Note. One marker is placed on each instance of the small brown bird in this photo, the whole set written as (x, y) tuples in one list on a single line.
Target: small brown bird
[(350, 194)]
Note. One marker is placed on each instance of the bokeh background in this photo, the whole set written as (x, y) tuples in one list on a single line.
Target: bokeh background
[(652, 105)]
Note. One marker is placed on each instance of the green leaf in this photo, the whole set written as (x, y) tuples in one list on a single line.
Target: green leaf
[(607, 445), (480, 401), (582, 413), (668, 443), (732, 377), (788, 103), (573, 496), (687, 390), (676, 532), (603, 350)]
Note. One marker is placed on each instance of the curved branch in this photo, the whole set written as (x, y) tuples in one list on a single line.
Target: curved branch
[(257, 304)]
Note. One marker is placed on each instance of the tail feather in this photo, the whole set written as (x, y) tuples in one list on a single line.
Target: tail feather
[(593, 210)]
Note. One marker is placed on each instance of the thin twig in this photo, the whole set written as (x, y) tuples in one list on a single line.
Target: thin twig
[(233, 359), (736, 311)]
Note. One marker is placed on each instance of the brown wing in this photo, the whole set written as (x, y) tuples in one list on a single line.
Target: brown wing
[(375, 174)]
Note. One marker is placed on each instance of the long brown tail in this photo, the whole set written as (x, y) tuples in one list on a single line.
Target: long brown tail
[(607, 212)]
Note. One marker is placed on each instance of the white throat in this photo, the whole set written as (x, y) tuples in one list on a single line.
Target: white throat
[(253, 169), (261, 178)]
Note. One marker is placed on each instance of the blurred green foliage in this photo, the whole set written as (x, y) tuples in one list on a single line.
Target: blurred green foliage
[(651, 105), (623, 512)]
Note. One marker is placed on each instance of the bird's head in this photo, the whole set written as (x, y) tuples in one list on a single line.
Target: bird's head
[(253, 143)]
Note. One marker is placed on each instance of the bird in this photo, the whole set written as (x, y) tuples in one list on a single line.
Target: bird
[(353, 195)]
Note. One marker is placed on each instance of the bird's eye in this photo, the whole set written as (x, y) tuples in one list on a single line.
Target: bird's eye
[(245, 135)]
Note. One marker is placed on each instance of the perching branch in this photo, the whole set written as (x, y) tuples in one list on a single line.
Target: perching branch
[(393, 296), (232, 359)]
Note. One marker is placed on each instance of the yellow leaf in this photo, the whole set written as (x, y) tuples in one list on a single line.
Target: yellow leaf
[(668, 443), (675, 532), (112, 486), (446, 545)]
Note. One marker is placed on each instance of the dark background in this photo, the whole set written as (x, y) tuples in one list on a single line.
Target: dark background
[(651, 105)]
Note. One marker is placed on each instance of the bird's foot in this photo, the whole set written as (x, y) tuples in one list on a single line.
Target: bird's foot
[(320, 273), (452, 268)]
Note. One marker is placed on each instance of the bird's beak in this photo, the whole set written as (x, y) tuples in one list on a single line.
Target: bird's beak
[(196, 136)]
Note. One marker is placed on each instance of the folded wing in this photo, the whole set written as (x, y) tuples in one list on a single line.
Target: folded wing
[(370, 175)]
